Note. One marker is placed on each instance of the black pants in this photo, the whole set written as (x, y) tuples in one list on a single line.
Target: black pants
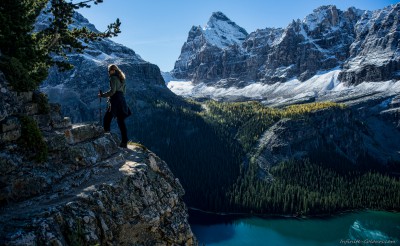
[(121, 124)]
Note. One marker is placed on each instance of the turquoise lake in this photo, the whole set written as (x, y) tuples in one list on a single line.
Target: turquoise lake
[(362, 228)]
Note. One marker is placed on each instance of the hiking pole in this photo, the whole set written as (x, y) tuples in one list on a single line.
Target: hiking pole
[(100, 116)]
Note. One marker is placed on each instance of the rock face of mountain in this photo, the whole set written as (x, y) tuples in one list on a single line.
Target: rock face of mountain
[(201, 54), (76, 90), (341, 134), (374, 54), (87, 191), (363, 44)]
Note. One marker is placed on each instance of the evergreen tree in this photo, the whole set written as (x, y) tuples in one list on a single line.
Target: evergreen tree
[(26, 55)]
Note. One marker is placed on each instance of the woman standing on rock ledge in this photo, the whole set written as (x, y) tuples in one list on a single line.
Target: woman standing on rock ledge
[(117, 106)]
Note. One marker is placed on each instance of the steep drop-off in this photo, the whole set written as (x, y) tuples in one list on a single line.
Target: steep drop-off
[(71, 185)]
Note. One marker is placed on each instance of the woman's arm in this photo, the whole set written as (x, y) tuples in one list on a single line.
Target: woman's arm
[(113, 87)]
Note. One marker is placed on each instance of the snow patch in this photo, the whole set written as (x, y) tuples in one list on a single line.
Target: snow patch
[(181, 88), (323, 84), (223, 32)]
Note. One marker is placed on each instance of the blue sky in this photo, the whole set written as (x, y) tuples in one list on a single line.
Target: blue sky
[(157, 29)]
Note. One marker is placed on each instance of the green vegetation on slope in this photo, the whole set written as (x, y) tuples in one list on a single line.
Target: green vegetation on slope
[(303, 188), (31, 139), (246, 121), (206, 144)]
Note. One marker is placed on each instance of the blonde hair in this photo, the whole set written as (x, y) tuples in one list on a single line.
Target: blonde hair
[(121, 74)]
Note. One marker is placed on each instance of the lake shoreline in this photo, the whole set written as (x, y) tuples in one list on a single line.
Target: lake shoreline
[(283, 216), (238, 229)]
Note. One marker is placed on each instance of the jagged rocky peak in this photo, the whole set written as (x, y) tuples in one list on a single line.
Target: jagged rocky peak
[(204, 45), (327, 19), (262, 37), (222, 32), (324, 15), (374, 53), (79, 21), (104, 51), (294, 28), (381, 24), (219, 31), (218, 16)]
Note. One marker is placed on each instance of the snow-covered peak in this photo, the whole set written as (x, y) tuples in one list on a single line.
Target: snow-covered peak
[(370, 20), (79, 22), (388, 14), (218, 16), (222, 32), (328, 15), (357, 12), (44, 20)]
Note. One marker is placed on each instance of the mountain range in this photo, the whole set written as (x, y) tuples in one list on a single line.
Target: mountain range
[(330, 55), (329, 50)]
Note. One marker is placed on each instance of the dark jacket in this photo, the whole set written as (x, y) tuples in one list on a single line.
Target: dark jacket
[(117, 103)]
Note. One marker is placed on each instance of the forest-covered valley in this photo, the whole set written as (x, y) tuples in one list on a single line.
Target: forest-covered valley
[(211, 148)]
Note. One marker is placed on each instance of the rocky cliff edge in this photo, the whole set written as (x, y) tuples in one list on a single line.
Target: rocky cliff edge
[(87, 191)]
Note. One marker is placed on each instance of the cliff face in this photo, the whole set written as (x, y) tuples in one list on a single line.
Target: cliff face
[(342, 136), (374, 54), (364, 44), (200, 57), (87, 191)]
